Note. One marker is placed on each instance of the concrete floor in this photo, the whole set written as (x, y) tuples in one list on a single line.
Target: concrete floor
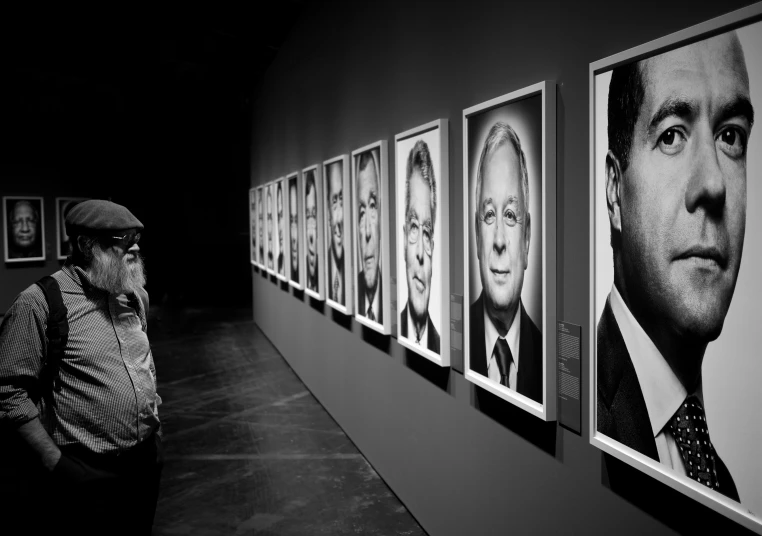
[(249, 450)]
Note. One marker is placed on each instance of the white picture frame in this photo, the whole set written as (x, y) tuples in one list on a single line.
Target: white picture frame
[(28, 213), (295, 235), (343, 233), (312, 179), (63, 205)]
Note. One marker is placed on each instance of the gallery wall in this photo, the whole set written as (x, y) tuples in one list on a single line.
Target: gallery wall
[(461, 460)]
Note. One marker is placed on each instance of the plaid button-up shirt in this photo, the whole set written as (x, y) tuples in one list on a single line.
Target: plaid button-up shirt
[(107, 401)]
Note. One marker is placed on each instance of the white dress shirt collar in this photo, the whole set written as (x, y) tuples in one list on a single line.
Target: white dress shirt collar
[(376, 303), (411, 329)]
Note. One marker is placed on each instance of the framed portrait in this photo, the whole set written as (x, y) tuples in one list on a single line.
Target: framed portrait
[(423, 240), (270, 221), (63, 206), (509, 197), (370, 217), (24, 225), (260, 253), (280, 258), (674, 167), (338, 231), (253, 236), (295, 234), (312, 230)]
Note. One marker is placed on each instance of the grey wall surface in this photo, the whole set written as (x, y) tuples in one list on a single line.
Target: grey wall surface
[(461, 460)]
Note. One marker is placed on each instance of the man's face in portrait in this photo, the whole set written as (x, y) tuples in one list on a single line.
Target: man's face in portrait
[(280, 220), (253, 225), (293, 217), (336, 204), (260, 215), (310, 204), (24, 224), (502, 233), (419, 245), (269, 223), (368, 225), (681, 203)]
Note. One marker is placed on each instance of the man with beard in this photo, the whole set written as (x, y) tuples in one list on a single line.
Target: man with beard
[(24, 224), (93, 431), (281, 267), (293, 219), (369, 237), (420, 217), (310, 212), (336, 207)]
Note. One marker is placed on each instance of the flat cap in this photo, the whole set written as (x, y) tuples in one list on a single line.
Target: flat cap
[(96, 216)]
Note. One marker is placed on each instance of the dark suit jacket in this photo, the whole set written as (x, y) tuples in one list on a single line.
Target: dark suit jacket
[(622, 411), (530, 378), (361, 303), (432, 337)]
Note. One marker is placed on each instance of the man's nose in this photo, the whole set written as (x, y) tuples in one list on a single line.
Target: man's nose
[(419, 253), (499, 241), (26, 225), (706, 184)]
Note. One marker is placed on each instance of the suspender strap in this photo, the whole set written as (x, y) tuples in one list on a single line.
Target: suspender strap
[(57, 334)]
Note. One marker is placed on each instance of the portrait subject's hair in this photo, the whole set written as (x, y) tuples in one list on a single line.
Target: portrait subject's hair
[(420, 159), (21, 203), (365, 159), (309, 183), (500, 134), (626, 94)]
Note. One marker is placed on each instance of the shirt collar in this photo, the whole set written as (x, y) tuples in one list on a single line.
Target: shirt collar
[(411, 329), (512, 337), (662, 390), (375, 304)]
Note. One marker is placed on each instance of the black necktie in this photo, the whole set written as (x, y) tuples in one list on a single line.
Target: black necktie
[(691, 434), (371, 316), (503, 357)]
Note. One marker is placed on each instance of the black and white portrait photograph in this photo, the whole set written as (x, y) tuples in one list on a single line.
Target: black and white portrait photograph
[(370, 210), (63, 206), (253, 226), (505, 230), (281, 246), (272, 238), (311, 223), (422, 240), (295, 240), (260, 228), (676, 197), (23, 220), (338, 244)]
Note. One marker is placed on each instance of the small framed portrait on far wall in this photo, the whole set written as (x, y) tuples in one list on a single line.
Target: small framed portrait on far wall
[(271, 238), (63, 206), (422, 238), (509, 210), (295, 237), (260, 253), (337, 196), (253, 236), (370, 218), (313, 267), (24, 226), (280, 257)]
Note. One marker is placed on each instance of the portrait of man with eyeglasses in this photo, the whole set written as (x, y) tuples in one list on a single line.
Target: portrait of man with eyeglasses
[(24, 229), (505, 345), (311, 218), (369, 283), (418, 245)]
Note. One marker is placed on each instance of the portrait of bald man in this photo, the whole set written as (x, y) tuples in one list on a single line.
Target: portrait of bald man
[(679, 125), (420, 213), (24, 229), (369, 280), (505, 345)]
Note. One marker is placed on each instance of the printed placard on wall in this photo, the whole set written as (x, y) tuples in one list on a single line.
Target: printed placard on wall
[(295, 236), (370, 211), (676, 199), (260, 259), (280, 260), (24, 226), (422, 227), (253, 219), (63, 206), (313, 229), (337, 194), (509, 233), (272, 237)]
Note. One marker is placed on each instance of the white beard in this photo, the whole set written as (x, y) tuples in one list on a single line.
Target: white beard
[(116, 276)]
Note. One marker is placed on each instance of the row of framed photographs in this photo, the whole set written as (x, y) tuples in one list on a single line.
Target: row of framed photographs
[(670, 150), (24, 227)]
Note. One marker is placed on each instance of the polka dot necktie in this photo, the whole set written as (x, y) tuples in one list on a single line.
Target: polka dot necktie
[(503, 356), (691, 434)]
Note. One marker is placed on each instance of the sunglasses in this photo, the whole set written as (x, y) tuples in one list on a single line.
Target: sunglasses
[(128, 240)]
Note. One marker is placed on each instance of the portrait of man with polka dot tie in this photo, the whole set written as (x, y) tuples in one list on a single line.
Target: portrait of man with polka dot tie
[(679, 125)]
